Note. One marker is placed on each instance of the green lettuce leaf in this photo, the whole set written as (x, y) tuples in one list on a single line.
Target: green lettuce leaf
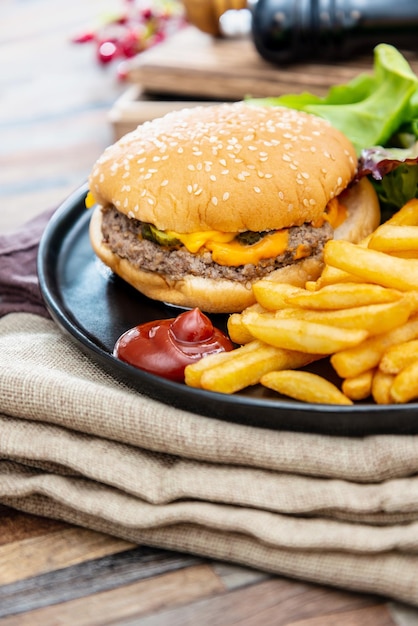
[(369, 109)]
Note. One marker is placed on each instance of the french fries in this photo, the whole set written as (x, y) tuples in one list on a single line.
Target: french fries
[(405, 384), (399, 356), (301, 335), (361, 314), (373, 266), (381, 385), (359, 387), (342, 296), (304, 386), (229, 372), (394, 239)]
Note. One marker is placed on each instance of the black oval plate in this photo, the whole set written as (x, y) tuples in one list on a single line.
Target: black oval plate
[(94, 307)]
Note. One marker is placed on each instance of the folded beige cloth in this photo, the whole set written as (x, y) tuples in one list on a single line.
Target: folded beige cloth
[(77, 445)]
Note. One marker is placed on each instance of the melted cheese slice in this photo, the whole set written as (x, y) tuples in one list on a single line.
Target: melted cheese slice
[(235, 254), (226, 251), (194, 241)]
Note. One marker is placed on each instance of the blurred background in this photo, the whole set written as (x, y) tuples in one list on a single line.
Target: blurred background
[(54, 102), (75, 76)]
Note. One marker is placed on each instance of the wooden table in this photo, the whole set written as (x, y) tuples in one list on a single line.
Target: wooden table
[(54, 123)]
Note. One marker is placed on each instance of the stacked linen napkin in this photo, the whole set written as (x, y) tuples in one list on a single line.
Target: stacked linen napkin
[(77, 445)]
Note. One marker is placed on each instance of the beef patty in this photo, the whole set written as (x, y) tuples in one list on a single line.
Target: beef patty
[(123, 236)]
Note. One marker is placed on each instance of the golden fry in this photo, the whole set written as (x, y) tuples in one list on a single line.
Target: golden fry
[(304, 386), (372, 265), (381, 386), (395, 238), (301, 335), (193, 373), (375, 318), (237, 332), (358, 387), (271, 295), (343, 295), (398, 357), (402, 254), (245, 367), (367, 355), (405, 384)]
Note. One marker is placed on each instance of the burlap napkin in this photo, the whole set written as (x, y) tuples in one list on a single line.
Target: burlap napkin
[(77, 445)]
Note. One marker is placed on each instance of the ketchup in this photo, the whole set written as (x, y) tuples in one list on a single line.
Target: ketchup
[(165, 347)]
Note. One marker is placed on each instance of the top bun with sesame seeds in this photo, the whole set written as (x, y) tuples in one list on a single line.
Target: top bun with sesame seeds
[(222, 195)]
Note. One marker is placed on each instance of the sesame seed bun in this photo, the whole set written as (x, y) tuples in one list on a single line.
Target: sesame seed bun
[(230, 168)]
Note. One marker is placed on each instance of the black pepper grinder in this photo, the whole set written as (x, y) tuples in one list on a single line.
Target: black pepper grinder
[(306, 30)]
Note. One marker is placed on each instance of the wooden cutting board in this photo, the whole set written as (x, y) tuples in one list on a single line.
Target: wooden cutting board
[(194, 64)]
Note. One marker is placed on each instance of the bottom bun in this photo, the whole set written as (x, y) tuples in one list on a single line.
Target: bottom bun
[(227, 296)]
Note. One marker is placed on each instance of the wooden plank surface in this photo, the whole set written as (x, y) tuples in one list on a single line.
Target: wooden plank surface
[(192, 63), (54, 121)]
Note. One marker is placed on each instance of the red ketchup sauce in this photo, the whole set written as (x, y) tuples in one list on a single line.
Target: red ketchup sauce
[(165, 347)]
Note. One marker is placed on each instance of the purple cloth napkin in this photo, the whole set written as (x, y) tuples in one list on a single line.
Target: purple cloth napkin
[(19, 287)]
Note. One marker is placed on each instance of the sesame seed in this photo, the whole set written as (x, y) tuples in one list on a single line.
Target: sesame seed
[(189, 188), (164, 183), (212, 177), (198, 191), (257, 189), (191, 168), (225, 196), (281, 195), (151, 201), (214, 201), (225, 172)]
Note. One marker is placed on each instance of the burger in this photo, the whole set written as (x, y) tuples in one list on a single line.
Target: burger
[(194, 207)]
